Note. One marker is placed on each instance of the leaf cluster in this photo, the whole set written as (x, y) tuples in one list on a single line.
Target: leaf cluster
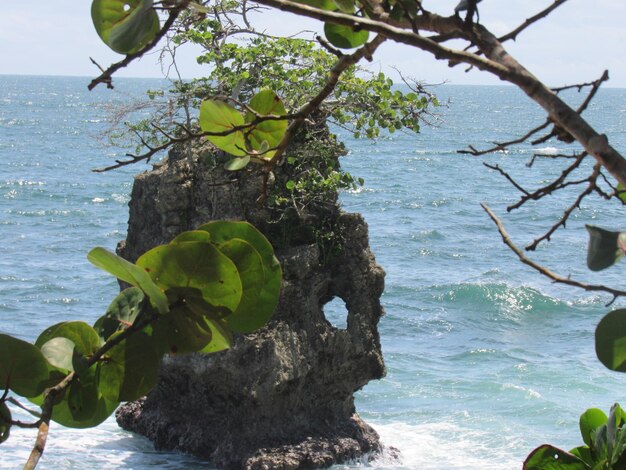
[(190, 295), (603, 449)]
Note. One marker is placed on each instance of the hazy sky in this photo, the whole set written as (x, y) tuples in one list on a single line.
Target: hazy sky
[(576, 43)]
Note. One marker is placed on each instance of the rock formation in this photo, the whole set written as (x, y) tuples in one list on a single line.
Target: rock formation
[(282, 397)]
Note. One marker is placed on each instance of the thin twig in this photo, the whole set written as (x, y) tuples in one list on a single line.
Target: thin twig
[(545, 271)]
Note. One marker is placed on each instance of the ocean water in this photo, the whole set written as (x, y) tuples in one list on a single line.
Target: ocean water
[(486, 359)]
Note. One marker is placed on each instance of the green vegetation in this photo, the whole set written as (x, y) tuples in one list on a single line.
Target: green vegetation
[(190, 295), (604, 445)]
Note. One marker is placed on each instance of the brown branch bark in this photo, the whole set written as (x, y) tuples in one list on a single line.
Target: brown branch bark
[(545, 271)]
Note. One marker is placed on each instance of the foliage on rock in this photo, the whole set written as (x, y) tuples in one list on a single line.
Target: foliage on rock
[(190, 295)]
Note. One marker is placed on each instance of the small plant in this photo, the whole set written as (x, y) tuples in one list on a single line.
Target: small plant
[(604, 448)]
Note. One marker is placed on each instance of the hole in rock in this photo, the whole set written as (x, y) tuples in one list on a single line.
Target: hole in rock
[(126, 7), (336, 313)]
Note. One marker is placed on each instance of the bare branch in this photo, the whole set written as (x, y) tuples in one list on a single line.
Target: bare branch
[(529, 21), (543, 270)]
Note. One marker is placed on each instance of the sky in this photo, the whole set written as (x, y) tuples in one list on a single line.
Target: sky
[(575, 44)]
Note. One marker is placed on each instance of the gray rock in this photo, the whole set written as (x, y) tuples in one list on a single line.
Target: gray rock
[(282, 397)]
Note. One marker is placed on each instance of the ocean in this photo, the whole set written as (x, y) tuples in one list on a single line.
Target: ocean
[(486, 359)]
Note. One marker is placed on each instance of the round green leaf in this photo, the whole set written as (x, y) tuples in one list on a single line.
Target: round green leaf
[(219, 117), (252, 313), (121, 313), (195, 265), (321, 4), (23, 367), (224, 231), (130, 273), (611, 340), (266, 134), (182, 331), (236, 164), (59, 352), (84, 337), (589, 422), (193, 236), (80, 411), (129, 369), (126, 26), (344, 37), (214, 319), (5, 422), (547, 457)]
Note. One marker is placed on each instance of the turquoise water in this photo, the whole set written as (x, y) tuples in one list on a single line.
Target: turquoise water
[(486, 359)]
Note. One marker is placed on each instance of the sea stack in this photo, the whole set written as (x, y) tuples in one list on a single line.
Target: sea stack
[(281, 397)]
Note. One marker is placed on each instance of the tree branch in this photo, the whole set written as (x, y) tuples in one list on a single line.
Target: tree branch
[(545, 271)]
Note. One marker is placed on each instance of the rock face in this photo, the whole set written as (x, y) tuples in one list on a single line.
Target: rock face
[(282, 397)]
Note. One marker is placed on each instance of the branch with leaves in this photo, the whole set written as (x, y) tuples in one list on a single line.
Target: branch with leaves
[(191, 295)]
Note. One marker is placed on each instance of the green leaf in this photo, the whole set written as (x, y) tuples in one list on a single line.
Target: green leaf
[(195, 265), (345, 37), (23, 368), (126, 26), (193, 236), (129, 369), (611, 340), (79, 411), (5, 422), (589, 422), (217, 117), (621, 192), (251, 313), (266, 134), (345, 6), (547, 457), (86, 340), (219, 334), (60, 353), (130, 273), (251, 319), (584, 454), (236, 164), (605, 247), (121, 314), (321, 4), (182, 331)]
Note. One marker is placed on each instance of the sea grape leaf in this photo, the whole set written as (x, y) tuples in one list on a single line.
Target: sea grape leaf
[(126, 26), (23, 368), (266, 134), (584, 454), (216, 117), (321, 4), (5, 422), (220, 335), (121, 313), (345, 37), (547, 457), (73, 415), (193, 236), (223, 231), (589, 422), (82, 400), (86, 340), (182, 331), (59, 352), (130, 273), (611, 340), (236, 164), (195, 265), (251, 313), (605, 247), (130, 369), (345, 6)]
